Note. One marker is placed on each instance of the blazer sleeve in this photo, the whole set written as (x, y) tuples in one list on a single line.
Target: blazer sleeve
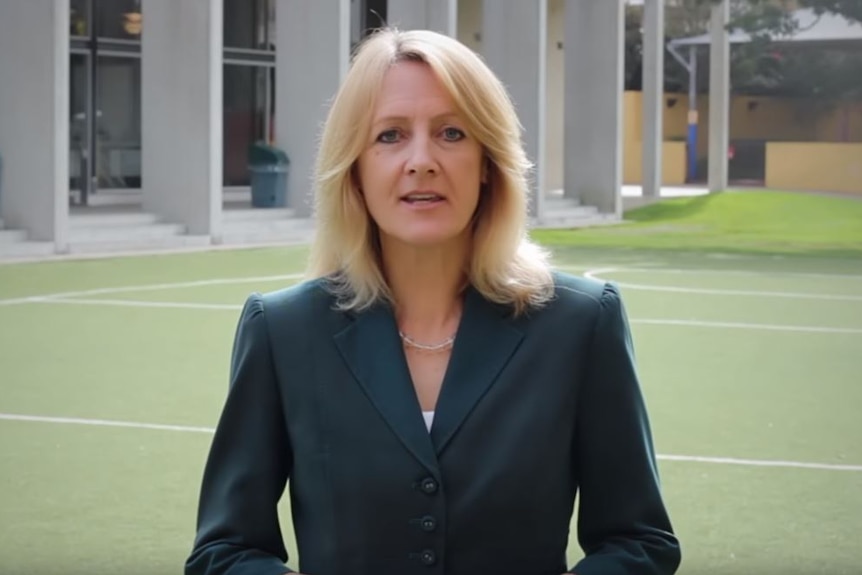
[(623, 525), (249, 461)]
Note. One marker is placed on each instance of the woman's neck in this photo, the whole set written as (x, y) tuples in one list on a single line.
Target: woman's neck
[(427, 286)]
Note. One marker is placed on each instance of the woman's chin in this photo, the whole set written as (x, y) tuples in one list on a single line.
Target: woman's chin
[(426, 238)]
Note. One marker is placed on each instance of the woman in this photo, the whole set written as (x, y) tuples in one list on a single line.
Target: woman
[(435, 394)]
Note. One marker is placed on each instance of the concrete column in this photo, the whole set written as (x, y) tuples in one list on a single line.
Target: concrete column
[(312, 57), (719, 97), (438, 15), (34, 118), (593, 103), (181, 123), (514, 45), (653, 96)]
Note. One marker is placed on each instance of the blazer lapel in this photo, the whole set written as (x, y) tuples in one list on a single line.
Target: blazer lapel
[(485, 341), (372, 349)]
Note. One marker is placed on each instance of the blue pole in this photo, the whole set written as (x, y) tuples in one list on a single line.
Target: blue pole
[(692, 114), (692, 146)]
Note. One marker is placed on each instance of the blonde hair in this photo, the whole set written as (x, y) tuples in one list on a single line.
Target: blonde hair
[(505, 267)]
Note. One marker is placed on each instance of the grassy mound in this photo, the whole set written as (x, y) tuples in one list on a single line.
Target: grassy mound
[(749, 221)]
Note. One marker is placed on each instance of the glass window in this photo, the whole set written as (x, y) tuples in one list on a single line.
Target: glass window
[(118, 122), (79, 134), (247, 24), (119, 19), (374, 17), (244, 118), (79, 17)]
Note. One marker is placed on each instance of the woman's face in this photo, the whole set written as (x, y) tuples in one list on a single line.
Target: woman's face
[(421, 171)]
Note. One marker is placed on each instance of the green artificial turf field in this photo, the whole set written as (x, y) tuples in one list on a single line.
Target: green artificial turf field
[(751, 366)]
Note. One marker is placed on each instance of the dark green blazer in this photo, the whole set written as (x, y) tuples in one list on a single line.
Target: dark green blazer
[(533, 410)]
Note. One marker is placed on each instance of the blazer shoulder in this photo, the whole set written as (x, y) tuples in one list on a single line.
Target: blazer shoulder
[(307, 298), (302, 293), (584, 297), (570, 289)]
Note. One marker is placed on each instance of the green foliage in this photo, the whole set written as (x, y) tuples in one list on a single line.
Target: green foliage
[(771, 16), (765, 68)]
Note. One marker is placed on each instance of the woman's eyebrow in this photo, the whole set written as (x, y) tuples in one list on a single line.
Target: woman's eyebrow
[(396, 118)]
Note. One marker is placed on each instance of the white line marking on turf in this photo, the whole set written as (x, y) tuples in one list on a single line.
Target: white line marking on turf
[(147, 287), (762, 326), (698, 271), (192, 429), (104, 423), (150, 304), (590, 271), (594, 274), (670, 322), (761, 463)]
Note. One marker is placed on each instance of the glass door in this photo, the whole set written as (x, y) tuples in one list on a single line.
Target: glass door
[(81, 98), (249, 83), (80, 128), (118, 122), (104, 97), (245, 119)]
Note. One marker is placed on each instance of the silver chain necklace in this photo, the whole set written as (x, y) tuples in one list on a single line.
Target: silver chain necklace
[(442, 346)]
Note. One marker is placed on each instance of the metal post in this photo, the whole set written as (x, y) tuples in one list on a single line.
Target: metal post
[(653, 97), (692, 114), (719, 97)]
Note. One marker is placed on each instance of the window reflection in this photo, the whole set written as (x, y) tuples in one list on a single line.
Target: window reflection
[(119, 19), (247, 24), (79, 17), (245, 117), (105, 96), (118, 122)]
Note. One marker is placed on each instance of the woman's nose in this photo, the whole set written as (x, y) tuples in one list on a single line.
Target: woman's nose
[(421, 160)]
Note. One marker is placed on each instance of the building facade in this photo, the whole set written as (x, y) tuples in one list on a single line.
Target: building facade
[(149, 107)]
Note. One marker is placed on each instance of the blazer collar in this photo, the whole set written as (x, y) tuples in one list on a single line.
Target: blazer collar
[(371, 347)]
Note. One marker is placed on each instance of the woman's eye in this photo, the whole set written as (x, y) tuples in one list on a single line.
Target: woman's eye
[(388, 137), (453, 134)]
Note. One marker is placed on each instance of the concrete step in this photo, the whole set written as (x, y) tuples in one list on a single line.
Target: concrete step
[(258, 214), (562, 221), (12, 236), (120, 220), (572, 211), (137, 244), (269, 226), (557, 201), (276, 231), (559, 212), (104, 234), (25, 250), (252, 238)]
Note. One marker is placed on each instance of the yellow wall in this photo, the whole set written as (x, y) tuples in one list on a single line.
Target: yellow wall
[(673, 153), (770, 119), (673, 163), (843, 123), (819, 166)]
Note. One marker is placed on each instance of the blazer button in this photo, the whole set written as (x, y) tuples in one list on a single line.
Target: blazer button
[(428, 523), (428, 557), (429, 485)]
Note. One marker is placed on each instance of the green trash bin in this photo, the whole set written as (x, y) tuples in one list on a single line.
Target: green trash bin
[(268, 166)]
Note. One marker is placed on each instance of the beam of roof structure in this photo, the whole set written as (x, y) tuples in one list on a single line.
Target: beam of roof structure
[(825, 28)]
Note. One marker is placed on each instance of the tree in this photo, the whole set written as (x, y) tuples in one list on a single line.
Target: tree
[(761, 67), (764, 17)]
